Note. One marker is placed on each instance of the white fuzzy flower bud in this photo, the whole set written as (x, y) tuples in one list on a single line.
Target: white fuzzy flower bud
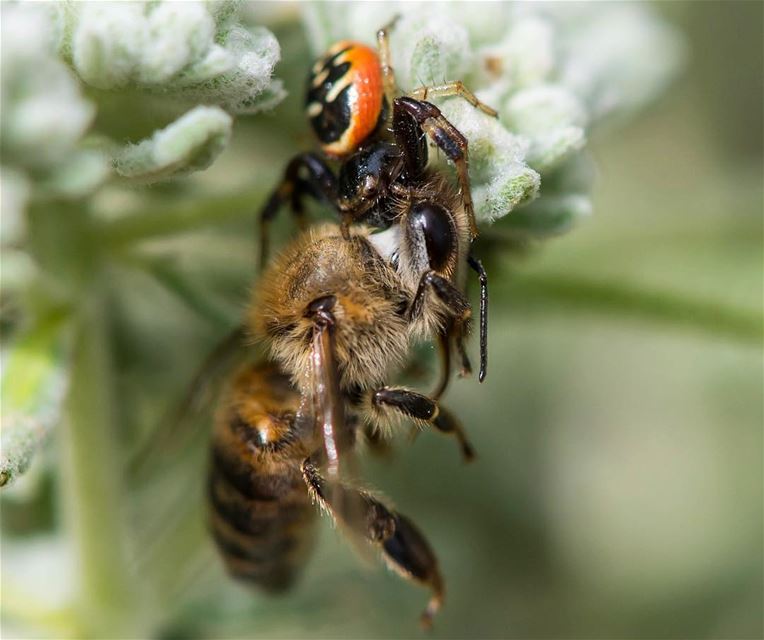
[(428, 49), (501, 179), (190, 143), (193, 50), (44, 115), (552, 119), (525, 56)]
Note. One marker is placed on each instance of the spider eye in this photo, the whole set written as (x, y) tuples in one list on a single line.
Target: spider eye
[(435, 224)]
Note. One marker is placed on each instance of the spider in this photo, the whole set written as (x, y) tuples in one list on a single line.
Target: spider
[(378, 137)]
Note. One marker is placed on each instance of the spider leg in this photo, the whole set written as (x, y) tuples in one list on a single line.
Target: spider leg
[(446, 136), (455, 88), (385, 60), (305, 175), (444, 351), (477, 266)]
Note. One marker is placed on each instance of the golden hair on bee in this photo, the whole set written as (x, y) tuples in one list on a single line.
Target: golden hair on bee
[(371, 335)]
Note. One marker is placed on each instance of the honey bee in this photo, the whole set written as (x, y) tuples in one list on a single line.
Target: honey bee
[(338, 317), (264, 476)]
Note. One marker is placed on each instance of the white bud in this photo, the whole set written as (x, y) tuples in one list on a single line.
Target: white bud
[(189, 144), (552, 119)]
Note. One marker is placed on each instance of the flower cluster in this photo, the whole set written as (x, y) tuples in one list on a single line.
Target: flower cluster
[(190, 53), (60, 63)]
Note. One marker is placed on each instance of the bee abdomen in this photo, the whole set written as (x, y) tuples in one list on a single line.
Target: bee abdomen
[(262, 522)]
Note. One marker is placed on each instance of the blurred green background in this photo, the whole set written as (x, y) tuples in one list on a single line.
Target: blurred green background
[(618, 489)]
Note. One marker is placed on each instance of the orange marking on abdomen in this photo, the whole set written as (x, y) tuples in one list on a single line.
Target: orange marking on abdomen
[(366, 96)]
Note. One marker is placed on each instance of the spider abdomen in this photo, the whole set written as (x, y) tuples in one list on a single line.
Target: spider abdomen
[(345, 99)]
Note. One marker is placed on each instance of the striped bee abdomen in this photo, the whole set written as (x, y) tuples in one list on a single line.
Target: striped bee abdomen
[(262, 518)]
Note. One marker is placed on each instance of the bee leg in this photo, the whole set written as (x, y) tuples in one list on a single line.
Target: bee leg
[(445, 135), (459, 326), (452, 298), (458, 306), (455, 331), (477, 266), (319, 183), (424, 410), (404, 548), (459, 331)]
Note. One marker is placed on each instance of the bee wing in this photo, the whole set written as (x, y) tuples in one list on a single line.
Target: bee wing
[(336, 430), (179, 427), (328, 404)]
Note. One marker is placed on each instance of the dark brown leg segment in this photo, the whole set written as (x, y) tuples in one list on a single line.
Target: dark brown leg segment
[(457, 326), (458, 329), (423, 409), (449, 139), (404, 548), (477, 266), (444, 351), (454, 299), (317, 181)]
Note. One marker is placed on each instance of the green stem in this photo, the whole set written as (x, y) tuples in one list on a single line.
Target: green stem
[(166, 219), (93, 496), (174, 282), (618, 299)]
